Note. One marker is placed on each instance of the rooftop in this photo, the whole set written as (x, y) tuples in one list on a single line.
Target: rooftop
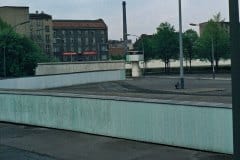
[(39, 16), (75, 24)]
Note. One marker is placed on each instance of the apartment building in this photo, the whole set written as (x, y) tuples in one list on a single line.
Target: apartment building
[(41, 31), (80, 40)]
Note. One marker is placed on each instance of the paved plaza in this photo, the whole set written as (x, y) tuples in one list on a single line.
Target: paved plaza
[(197, 88)]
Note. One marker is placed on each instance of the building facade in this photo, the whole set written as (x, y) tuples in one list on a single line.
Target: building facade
[(224, 25), (116, 48), (41, 31), (17, 17), (80, 40)]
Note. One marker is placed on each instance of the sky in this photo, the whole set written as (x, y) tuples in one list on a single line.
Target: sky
[(143, 16)]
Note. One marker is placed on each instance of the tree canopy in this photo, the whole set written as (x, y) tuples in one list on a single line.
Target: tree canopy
[(214, 39), (22, 55), (166, 42)]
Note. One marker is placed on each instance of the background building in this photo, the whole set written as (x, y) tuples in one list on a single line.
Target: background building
[(224, 25), (80, 39), (14, 16), (116, 47), (41, 31)]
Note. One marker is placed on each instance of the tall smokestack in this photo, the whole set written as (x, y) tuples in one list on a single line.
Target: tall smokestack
[(124, 28)]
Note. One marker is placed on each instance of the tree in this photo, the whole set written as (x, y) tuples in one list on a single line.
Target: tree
[(189, 38), (22, 55), (145, 42), (214, 35), (166, 44)]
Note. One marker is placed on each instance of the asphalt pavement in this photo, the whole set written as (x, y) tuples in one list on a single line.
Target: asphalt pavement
[(197, 88), (19, 142)]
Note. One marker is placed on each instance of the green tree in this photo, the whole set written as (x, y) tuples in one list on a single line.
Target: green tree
[(145, 42), (189, 38), (166, 44), (214, 38), (22, 55)]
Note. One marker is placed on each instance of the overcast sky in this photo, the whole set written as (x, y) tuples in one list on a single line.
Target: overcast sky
[(143, 16)]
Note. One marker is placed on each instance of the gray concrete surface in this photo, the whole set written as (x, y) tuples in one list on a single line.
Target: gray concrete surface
[(19, 142), (197, 88)]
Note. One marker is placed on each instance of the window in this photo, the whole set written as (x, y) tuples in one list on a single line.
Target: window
[(93, 33), (102, 39), (94, 41), (79, 40), (71, 40), (72, 49), (79, 49), (86, 41), (79, 32), (47, 29), (63, 32), (47, 48), (47, 38)]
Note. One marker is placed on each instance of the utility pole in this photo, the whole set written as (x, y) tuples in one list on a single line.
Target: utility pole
[(181, 46), (213, 60), (235, 48), (125, 38)]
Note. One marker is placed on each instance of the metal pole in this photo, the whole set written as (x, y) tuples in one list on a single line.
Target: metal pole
[(143, 47), (125, 28), (181, 46), (4, 61), (235, 67), (213, 60)]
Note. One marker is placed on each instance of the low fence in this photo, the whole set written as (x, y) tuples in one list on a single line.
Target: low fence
[(202, 126)]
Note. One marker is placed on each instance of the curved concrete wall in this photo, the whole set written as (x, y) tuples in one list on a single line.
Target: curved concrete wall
[(52, 81), (74, 67), (178, 124)]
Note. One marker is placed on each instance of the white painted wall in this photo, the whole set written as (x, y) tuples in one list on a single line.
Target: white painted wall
[(75, 67), (160, 64), (52, 81)]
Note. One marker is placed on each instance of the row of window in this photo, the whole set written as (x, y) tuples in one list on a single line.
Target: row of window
[(79, 32), (77, 40)]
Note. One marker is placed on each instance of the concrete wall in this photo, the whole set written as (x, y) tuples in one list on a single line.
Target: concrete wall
[(52, 81), (195, 63), (196, 126), (60, 68)]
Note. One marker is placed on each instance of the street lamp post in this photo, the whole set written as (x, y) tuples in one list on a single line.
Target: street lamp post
[(212, 53), (4, 48), (235, 66), (213, 59), (181, 46)]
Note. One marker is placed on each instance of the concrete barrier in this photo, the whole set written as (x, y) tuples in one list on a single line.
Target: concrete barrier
[(52, 81), (202, 126), (75, 67)]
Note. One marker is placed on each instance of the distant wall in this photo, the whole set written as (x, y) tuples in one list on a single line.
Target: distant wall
[(192, 125), (52, 81), (74, 67)]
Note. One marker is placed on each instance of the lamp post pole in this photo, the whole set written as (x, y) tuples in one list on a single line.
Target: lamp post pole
[(235, 67), (213, 60), (181, 46), (4, 61)]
